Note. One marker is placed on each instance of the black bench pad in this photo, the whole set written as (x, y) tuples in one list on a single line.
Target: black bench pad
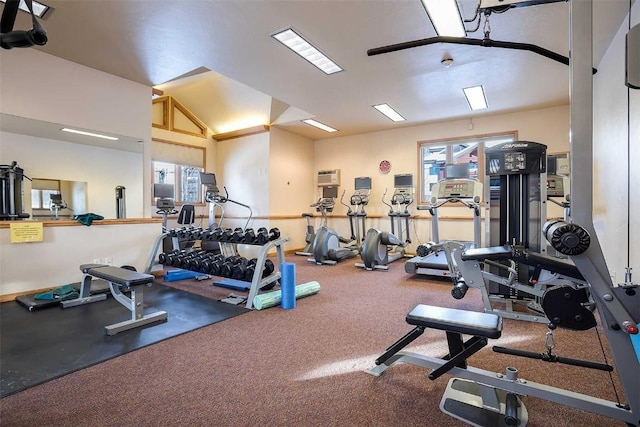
[(453, 320), (121, 276), (491, 253), (86, 267)]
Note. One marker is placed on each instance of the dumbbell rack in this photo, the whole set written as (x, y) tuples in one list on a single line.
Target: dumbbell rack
[(258, 282), (229, 249)]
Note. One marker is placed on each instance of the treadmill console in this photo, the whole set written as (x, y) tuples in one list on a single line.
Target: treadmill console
[(457, 188), (555, 186)]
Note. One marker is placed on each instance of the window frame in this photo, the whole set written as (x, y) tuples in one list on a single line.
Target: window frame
[(449, 143), (44, 203), (178, 170)]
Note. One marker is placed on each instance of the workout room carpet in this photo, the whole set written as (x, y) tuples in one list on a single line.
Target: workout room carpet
[(38, 346)]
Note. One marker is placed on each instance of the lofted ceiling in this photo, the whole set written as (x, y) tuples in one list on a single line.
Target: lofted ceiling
[(237, 72)]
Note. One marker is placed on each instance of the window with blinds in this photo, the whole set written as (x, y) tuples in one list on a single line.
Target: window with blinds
[(179, 165)]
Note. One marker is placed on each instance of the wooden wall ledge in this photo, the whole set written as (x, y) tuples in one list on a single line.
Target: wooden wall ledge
[(74, 223)]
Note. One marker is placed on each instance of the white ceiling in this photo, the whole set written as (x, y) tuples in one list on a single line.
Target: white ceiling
[(154, 42)]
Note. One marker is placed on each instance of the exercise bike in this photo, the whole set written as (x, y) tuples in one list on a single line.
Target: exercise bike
[(380, 248), (56, 205)]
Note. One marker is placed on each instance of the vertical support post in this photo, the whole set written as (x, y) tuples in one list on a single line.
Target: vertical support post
[(591, 263)]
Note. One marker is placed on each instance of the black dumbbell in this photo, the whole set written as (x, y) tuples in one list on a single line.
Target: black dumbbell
[(163, 257), (227, 267), (195, 264), (216, 234), (250, 270), (207, 264), (240, 269), (263, 236), (173, 258), (226, 234), (269, 267), (237, 236), (249, 236), (216, 265)]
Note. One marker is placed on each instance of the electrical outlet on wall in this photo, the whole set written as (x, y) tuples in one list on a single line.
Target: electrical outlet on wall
[(108, 261), (97, 261)]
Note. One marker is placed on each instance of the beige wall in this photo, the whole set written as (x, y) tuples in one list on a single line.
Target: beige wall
[(243, 168), (39, 86), (617, 144), (55, 261), (291, 184)]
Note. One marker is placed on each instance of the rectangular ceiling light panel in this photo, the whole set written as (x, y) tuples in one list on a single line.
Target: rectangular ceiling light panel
[(39, 9), (445, 17), (475, 97), (319, 125), (389, 112), (299, 45), (95, 135)]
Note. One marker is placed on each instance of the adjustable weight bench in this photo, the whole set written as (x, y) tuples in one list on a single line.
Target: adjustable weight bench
[(119, 279), (474, 401)]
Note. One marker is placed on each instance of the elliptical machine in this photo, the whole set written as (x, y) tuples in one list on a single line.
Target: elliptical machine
[(378, 244), (326, 247), (310, 236)]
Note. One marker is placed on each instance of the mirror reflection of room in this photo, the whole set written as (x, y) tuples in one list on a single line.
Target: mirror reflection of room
[(57, 199)]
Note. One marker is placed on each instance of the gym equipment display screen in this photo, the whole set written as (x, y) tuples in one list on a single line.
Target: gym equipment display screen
[(207, 178), (403, 180), (363, 183), (163, 191), (330, 192)]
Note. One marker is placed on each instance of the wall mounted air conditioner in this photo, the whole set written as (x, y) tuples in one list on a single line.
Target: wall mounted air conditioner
[(330, 177)]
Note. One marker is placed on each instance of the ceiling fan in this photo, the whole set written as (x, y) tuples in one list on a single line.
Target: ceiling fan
[(486, 8)]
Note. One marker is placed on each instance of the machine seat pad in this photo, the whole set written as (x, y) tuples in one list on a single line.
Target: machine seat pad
[(86, 267), (474, 323), (492, 253), (121, 276)]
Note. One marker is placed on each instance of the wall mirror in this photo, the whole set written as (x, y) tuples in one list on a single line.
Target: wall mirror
[(83, 170), (57, 199)]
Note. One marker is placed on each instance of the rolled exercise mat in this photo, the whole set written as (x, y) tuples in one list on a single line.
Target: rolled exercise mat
[(288, 285), (273, 298)]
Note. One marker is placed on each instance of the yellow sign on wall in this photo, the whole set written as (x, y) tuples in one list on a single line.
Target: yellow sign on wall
[(23, 232)]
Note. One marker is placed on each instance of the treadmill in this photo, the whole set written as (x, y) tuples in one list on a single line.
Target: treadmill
[(447, 191)]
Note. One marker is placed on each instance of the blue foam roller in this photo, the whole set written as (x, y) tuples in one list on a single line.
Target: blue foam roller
[(288, 285)]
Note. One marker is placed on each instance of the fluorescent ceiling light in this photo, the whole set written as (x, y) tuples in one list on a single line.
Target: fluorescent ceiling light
[(39, 9), (296, 43), (475, 97), (319, 125), (445, 17), (96, 135), (389, 112)]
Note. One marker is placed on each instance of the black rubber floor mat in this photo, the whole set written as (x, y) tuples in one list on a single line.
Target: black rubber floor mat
[(38, 346)]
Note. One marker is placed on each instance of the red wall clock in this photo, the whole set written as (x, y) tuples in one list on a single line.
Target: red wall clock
[(385, 166)]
